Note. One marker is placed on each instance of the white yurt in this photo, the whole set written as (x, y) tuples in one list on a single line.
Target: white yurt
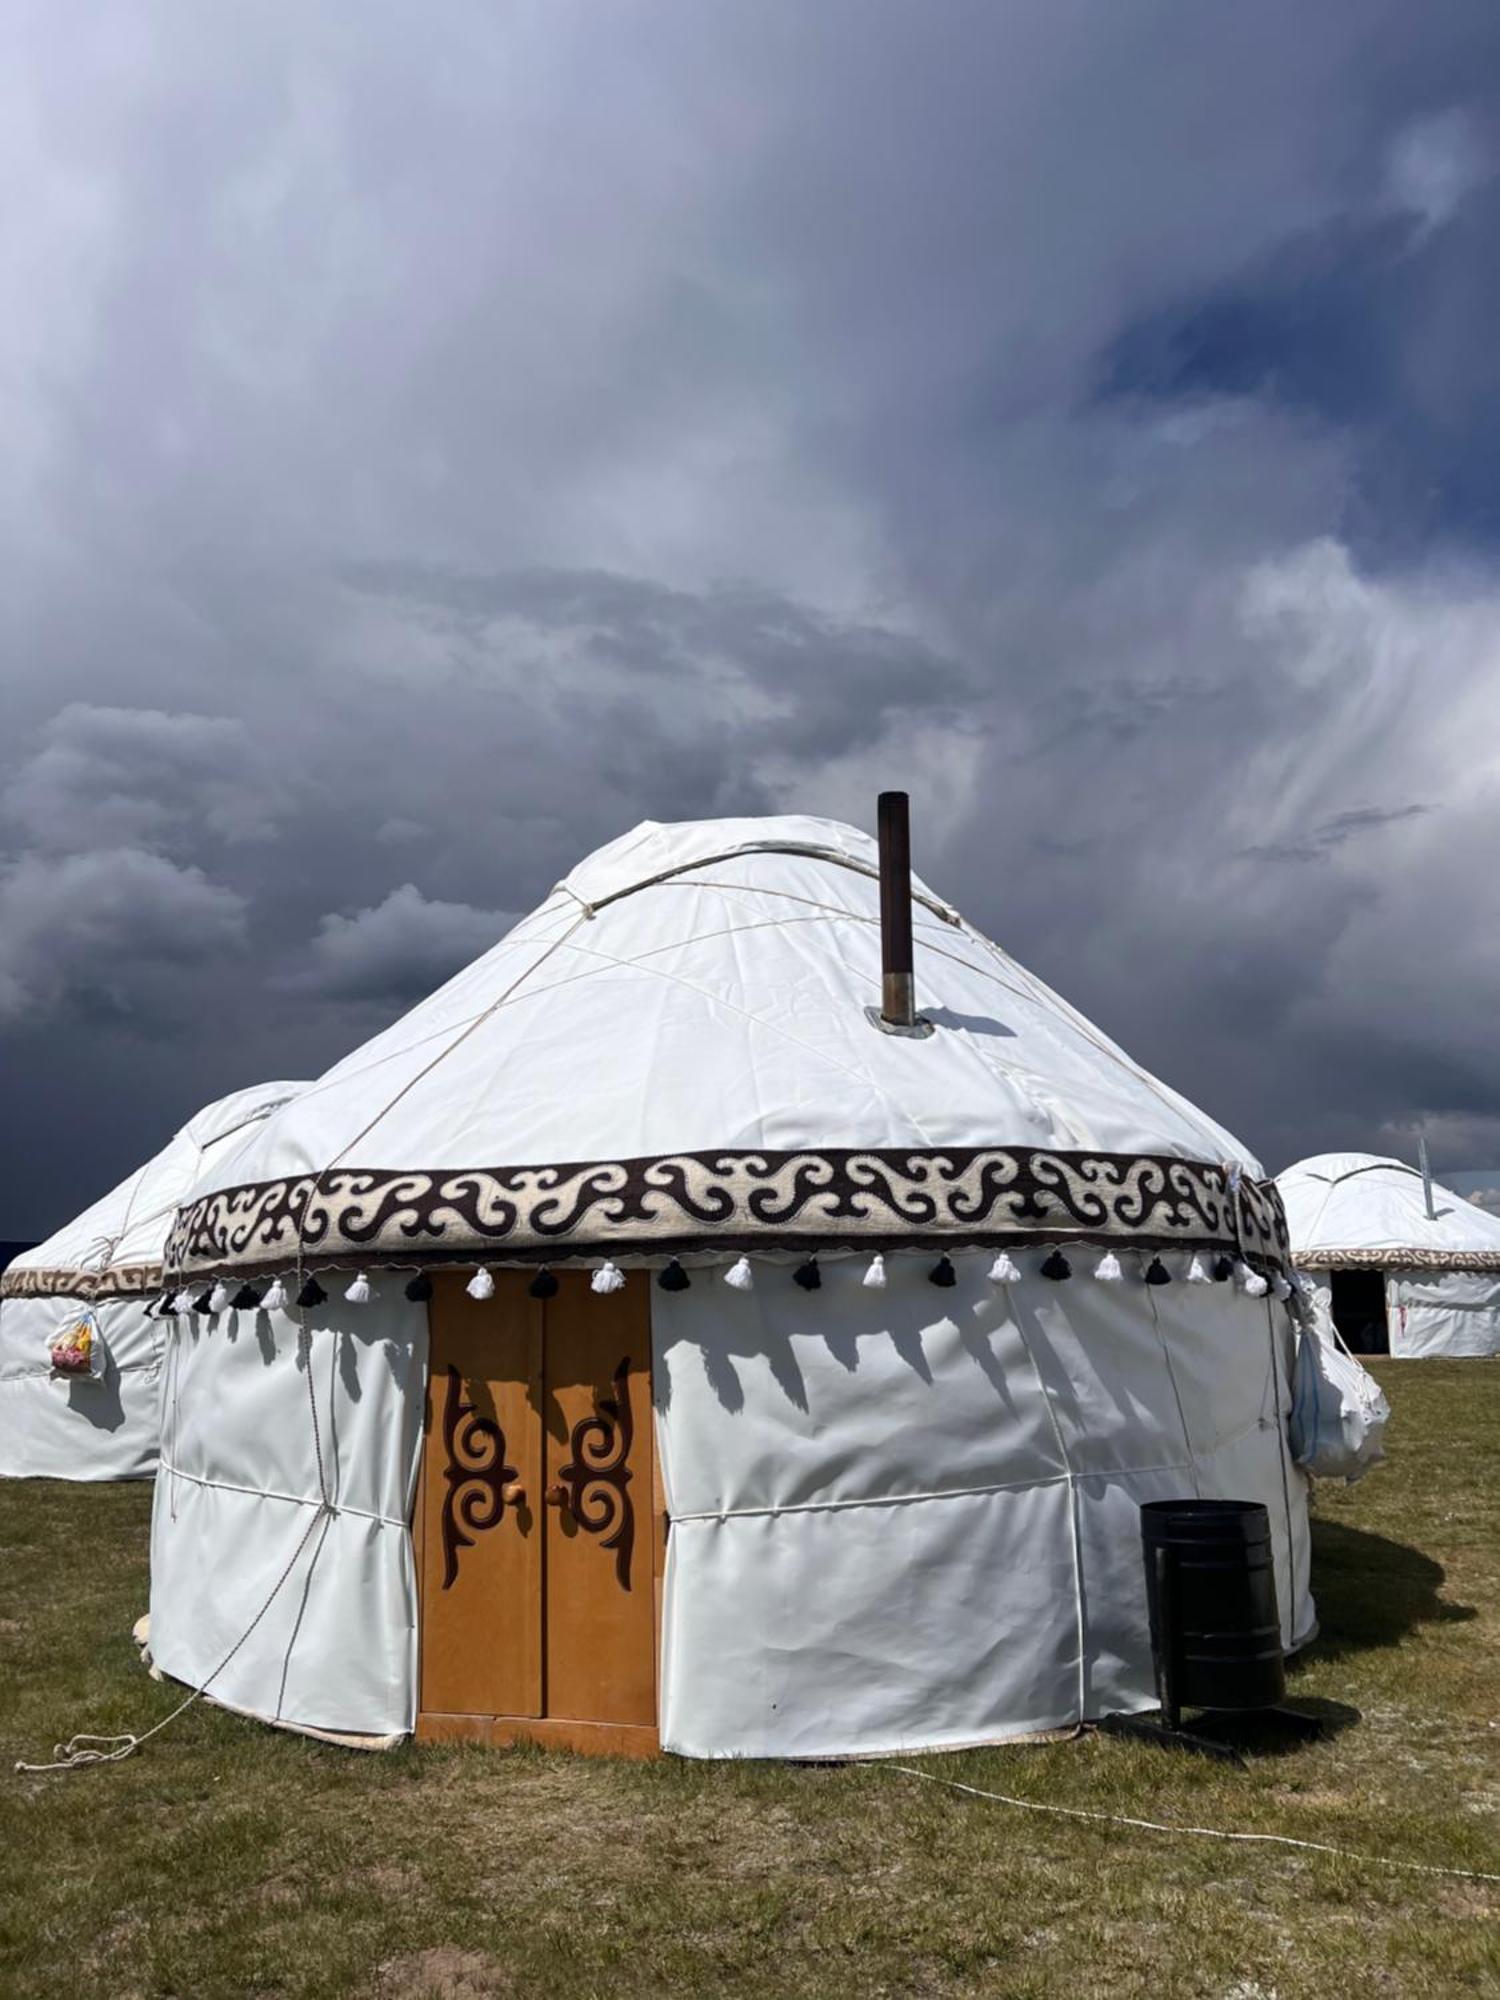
[(1398, 1279), (643, 1344), (80, 1340)]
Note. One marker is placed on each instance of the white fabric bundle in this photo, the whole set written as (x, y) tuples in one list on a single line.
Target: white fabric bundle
[(1339, 1413)]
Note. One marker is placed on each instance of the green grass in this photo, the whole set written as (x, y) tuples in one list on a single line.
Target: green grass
[(230, 1859)]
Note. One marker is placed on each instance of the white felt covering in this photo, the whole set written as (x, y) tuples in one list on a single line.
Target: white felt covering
[(908, 1519), (722, 1007), (106, 1428), (237, 1490)]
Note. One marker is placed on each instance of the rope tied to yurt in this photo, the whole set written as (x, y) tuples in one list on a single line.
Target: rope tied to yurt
[(84, 1750), (1198, 1832)]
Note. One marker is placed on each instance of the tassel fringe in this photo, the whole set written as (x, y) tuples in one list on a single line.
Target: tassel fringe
[(481, 1285), (875, 1274), (608, 1278), (740, 1276), (358, 1293)]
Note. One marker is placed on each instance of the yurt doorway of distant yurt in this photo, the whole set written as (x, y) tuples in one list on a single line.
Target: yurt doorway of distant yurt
[(1357, 1300), (537, 1523)]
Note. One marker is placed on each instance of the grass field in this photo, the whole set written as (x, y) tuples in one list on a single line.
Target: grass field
[(229, 1859)]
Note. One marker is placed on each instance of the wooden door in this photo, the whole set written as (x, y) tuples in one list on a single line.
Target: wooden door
[(481, 1502), (599, 1628), (539, 1537)]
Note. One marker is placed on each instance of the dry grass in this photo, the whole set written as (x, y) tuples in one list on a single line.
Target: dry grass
[(232, 1860)]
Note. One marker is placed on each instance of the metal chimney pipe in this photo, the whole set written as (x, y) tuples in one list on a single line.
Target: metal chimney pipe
[(1426, 1179), (898, 998), (897, 1013)]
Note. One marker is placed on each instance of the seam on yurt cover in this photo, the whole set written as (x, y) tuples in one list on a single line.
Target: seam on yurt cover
[(274, 1493), (1166, 1353), (1075, 1515)]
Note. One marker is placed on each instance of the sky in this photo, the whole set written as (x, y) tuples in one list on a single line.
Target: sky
[(435, 440)]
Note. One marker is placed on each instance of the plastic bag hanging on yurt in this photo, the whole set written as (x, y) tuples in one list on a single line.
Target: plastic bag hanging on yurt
[(1339, 1412), (77, 1353)]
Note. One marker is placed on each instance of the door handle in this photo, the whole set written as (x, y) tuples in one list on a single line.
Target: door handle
[(556, 1496), (513, 1494)]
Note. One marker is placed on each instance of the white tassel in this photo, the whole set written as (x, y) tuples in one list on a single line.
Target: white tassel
[(183, 1302), (1005, 1270), (740, 1276), (219, 1298), (1196, 1275), (608, 1278), (875, 1276), (1281, 1288), (1108, 1268), (1252, 1281), (358, 1293), (481, 1285), (275, 1299)]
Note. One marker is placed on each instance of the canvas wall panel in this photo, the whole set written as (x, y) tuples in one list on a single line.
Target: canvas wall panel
[(1443, 1312), (97, 1428), (911, 1517), (238, 1489)]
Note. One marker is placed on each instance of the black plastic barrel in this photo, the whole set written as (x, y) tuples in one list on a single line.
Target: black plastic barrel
[(1211, 1590)]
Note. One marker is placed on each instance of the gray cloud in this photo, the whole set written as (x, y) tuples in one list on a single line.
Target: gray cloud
[(109, 934), (397, 952), (430, 451)]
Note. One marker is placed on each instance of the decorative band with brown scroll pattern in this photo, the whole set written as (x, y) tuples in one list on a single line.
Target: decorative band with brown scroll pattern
[(120, 1281), (858, 1199)]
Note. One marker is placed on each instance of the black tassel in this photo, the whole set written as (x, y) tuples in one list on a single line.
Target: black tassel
[(1223, 1270), (419, 1290), (245, 1300), (311, 1294), (1057, 1267), (163, 1306), (204, 1300), (942, 1272), (544, 1285), (808, 1276), (1157, 1273), (674, 1278)]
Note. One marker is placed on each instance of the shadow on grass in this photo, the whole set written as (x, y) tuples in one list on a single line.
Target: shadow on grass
[(1371, 1592)]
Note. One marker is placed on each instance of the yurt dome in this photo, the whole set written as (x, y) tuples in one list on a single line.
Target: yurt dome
[(652, 1351), (1400, 1280), (80, 1341)]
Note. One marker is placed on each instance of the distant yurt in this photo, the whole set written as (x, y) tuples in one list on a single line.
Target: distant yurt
[(1399, 1280), (80, 1340), (671, 1335)]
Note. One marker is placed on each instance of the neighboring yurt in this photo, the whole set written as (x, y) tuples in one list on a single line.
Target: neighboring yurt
[(1400, 1280), (643, 1344), (80, 1340)]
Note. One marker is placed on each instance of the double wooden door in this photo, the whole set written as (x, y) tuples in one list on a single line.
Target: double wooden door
[(537, 1528)]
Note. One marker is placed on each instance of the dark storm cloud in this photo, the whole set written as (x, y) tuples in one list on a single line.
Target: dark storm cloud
[(435, 444)]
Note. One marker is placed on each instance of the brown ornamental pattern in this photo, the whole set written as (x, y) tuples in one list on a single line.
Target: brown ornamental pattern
[(120, 1281), (866, 1199)]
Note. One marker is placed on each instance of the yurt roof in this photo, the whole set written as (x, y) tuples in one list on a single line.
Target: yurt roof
[(673, 1053), (1359, 1210), (115, 1245)]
